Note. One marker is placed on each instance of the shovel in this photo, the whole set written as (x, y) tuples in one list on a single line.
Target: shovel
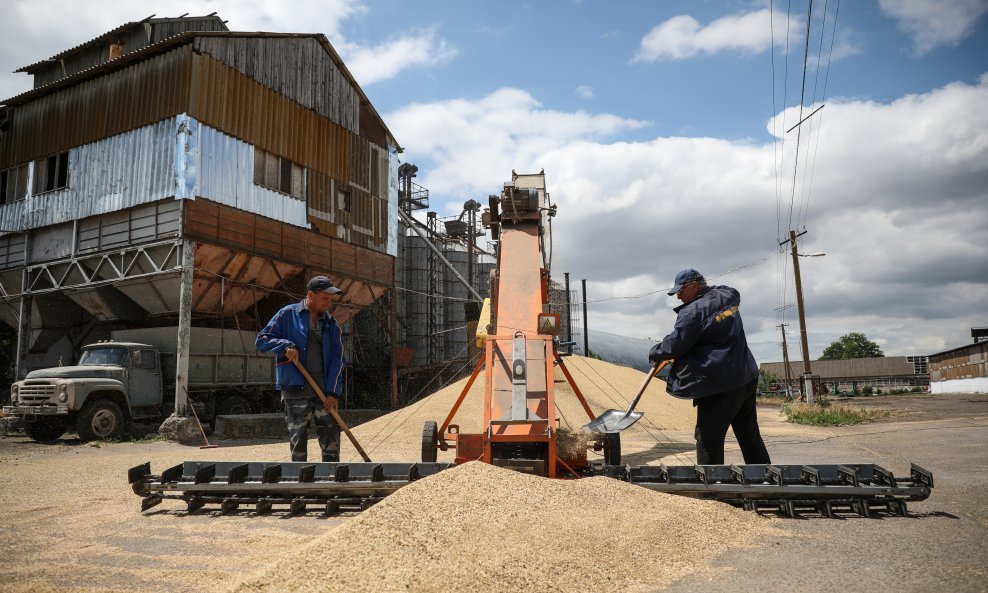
[(336, 416), (617, 420)]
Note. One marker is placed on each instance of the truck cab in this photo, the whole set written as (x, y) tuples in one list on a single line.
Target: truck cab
[(113, 384)]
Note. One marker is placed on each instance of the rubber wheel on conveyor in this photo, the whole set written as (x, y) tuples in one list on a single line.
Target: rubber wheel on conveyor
[(430, 436)]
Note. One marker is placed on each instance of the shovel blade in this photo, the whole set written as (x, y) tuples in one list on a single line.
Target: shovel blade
[(613, 421)]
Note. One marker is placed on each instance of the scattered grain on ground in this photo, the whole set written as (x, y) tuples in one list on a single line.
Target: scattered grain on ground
[(483, 528)]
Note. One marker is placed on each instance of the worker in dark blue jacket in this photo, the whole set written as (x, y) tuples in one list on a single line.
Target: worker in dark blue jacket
[(713, 366), (306, 332)]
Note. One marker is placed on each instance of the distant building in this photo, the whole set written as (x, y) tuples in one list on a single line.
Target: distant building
[(846, 376), (963, 369)]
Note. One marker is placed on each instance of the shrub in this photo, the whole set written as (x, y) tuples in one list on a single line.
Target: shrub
[(814, 415)]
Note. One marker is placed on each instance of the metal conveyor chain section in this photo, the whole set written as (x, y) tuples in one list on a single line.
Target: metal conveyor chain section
[(863, 489), (262, 485)]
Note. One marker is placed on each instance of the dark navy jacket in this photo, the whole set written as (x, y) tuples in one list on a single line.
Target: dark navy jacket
[(708, 344), (290, 327)]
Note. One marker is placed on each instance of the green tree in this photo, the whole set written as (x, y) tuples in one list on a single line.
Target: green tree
[(852, 345)]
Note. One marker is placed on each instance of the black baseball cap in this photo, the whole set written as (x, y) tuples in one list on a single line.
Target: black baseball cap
[(683, 278), (322, 284)]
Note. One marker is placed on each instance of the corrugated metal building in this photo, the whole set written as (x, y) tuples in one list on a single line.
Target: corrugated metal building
[(844, 376), (172, 172), (960, 370)]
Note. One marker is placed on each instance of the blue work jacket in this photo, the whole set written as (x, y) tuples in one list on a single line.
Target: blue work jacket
[(708, 344), (290, 327)]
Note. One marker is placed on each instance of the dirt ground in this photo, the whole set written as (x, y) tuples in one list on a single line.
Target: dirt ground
[(69, 522)]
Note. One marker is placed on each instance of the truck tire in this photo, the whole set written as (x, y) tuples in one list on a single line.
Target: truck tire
[(100, 419), (233, 405), (44, 430)]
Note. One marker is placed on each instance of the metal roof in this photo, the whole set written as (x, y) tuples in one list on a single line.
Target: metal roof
[(112, 33), (972, 345), (620, 350), (183, 38)]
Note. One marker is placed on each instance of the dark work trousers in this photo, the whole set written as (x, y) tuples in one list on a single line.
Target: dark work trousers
[(298, 413), (735, 408)]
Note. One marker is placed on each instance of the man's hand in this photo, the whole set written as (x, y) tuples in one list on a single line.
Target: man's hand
[(331, 404), (655, 355), (291, 354)]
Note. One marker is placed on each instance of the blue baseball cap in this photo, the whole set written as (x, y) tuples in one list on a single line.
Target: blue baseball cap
[(322, 284), (683, 278)]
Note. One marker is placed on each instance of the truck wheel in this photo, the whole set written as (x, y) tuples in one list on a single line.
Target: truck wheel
[(430, 436), (233, 405), (101, 419), (44, 430)]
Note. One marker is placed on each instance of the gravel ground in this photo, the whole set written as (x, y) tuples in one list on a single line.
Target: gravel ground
[(69, 522)]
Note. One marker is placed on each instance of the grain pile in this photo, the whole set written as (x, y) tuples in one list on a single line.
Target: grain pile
[(604, 385), (482, 528)]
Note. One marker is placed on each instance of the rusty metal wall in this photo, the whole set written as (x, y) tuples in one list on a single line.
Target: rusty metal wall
[(855, 367), (162, 29), (296, 67), (115, 173), (962, 363), (225, 226), (237, 105), (226, 176), (133, 39), (123, 100)]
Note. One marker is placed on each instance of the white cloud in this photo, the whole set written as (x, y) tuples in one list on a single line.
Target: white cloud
[(898, 203), (372, 64), (683, 37), (472, 143), (584, 91), (934, 23)]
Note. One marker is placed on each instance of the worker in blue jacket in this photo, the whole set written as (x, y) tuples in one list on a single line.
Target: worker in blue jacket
[(306, 332), (713, 366)]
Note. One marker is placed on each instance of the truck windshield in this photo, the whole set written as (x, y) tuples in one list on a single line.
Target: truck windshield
[(99, 356)]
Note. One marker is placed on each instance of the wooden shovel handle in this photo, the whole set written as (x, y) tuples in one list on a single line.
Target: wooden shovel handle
[(655, 369), (336, 416)]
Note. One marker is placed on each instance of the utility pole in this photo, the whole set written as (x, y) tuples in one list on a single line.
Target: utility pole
[(785, 359), (569, 315), (586, 339), (807, 383)]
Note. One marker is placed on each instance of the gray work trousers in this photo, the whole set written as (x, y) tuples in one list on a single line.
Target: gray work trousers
[(298, 413)]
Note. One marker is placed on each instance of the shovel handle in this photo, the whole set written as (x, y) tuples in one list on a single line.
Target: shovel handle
[(336, 416), (655, 369)]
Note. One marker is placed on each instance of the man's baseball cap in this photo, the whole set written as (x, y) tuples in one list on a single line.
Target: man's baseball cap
[(322, 284), (685, 277)]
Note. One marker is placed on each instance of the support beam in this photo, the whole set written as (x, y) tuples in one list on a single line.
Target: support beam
[(184, 328), (408, 220)]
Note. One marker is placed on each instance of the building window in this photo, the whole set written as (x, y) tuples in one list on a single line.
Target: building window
[(344, 201), (13, 184), (278, 173), (51, 173)]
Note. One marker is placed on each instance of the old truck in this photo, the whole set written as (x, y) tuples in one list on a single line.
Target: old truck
[(131, 378)]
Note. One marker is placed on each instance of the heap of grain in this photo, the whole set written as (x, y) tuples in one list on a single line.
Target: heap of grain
[(481, 528), (398, 435)]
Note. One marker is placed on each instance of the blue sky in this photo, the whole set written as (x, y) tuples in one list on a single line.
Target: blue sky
[(656, 127)]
